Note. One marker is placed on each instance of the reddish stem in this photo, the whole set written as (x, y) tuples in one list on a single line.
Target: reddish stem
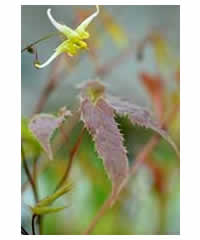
[(71, 158)]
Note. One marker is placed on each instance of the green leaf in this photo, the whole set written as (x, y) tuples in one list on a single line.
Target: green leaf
[(42, 207), (30, 142), (50, 199), (140, 116), (43, 126), (46, 210)]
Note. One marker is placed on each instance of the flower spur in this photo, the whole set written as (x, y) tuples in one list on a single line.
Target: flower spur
[(75, 38)]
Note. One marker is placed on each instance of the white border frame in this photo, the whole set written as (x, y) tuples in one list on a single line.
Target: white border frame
[(11, 115)]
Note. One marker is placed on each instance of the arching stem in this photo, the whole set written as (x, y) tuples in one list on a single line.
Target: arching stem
[(40, 40), (71, 158)]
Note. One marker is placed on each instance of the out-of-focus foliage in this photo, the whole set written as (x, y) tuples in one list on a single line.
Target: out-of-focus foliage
[(29, 141), (116, 31), (150, 203), (42, 207)]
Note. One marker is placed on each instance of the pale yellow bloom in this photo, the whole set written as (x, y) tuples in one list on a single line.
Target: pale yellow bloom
[(75, 38)]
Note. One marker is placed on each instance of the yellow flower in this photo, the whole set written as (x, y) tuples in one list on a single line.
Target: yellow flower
[(75, 38)]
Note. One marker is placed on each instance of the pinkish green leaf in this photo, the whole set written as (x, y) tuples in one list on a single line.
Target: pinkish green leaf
[(43, 126), (139, 116), (99, 120)]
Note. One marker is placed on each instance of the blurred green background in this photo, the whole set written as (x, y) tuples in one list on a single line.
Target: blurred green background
[(134, 50)]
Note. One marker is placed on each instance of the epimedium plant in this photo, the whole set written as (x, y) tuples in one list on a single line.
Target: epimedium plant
[(74, 38), (97, 111)]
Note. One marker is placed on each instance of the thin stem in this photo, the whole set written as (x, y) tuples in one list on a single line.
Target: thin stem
[(40, 223), (53, 81), (49, 87), (23, 231), (40, 40), (30, 179), (71, 158), (35, 168), (33, 223), (35, 182), (163, 204)]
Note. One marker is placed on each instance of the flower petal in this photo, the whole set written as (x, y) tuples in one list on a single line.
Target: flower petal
[(87, 21), (68, 32), (48, 61)]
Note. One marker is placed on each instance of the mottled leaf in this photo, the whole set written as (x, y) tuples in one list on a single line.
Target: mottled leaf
[(44, 125), (97, 113), (140, 116), (99, 120)]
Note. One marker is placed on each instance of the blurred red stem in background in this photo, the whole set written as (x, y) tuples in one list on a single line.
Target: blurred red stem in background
[(107, 204), (49, 88), (109, 65), (71, 158), (28, 174)]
